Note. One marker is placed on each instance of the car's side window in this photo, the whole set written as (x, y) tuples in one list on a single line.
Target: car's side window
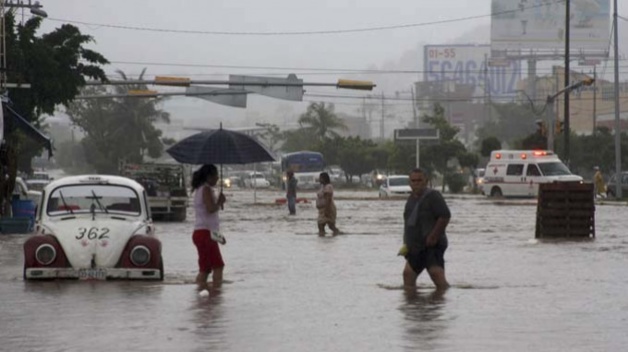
[(514, 170), (533, 170)]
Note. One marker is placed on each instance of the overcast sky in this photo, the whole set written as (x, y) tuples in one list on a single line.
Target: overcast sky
[(184, 36)]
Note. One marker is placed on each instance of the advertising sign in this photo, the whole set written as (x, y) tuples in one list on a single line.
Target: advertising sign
[(540, 24), (471, 65)]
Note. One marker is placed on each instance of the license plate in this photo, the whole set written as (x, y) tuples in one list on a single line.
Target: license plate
[(92, 274)]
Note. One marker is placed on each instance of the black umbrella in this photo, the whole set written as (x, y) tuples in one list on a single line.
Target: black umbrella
[(220, 147)]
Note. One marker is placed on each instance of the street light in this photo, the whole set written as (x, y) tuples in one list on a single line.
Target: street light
[(549, 108), (35, 6)]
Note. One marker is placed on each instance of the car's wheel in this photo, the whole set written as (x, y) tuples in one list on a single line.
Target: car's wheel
[(496, 192), (610, 194)]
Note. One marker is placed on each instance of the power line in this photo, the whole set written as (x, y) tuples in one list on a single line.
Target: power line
[(316, 71), (297, 33)]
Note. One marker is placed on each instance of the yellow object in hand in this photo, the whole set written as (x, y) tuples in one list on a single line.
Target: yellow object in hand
[(403, 251)]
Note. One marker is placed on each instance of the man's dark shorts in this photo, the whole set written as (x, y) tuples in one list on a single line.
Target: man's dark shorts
[(427, 258)]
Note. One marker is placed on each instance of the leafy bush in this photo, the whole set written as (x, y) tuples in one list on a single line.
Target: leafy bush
[(455, 182)]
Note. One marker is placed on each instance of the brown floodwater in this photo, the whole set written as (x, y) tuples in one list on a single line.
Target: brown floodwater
[(289, 290)]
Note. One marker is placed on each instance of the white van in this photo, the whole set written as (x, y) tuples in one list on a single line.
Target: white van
[(517, 173)]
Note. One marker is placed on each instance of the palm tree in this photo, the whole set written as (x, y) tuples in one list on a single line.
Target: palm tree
[(138, 116), (321, 120)]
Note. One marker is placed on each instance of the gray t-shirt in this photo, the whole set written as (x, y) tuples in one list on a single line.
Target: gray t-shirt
[(431, 207)]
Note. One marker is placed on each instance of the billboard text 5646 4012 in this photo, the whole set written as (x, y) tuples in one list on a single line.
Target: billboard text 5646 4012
[(471, 65)]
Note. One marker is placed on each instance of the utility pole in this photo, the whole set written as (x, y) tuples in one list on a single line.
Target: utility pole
[(417, 123), (617, 122), (594, 99), (35, 8), (566, 83), (381, 122)]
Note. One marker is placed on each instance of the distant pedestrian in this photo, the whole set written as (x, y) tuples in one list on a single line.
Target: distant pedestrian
[(291, 192), (426, 216), (598, 182), (207, 234), (325, 205)]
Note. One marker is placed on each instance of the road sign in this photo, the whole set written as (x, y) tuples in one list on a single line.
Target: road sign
[(290, 88), (230, 97), (417, 133)]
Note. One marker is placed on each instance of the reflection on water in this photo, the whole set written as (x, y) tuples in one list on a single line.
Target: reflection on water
[(423, 323), (207, 317)]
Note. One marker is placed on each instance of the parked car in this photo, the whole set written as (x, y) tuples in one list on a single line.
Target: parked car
[(611, 185), (22, 191), (395, 185), (479, 179), (256, 180), (37, 184), (93, 227)]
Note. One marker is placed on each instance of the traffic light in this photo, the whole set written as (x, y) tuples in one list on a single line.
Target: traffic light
[(559, 127)]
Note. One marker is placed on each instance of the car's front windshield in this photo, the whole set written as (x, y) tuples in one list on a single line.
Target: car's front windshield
[(77, 199), (554, 169), (398, 181)]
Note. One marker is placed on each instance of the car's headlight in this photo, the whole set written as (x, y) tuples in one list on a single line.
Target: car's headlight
[(45, 254), (140, 255)]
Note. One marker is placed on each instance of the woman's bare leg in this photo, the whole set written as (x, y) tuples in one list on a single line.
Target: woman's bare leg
[(201, 280), (217, 278)]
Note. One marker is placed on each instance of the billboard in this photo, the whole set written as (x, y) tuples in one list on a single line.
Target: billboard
[(470, 65), (540, 24)]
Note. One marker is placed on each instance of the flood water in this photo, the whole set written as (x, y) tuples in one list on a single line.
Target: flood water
[(289, 290)]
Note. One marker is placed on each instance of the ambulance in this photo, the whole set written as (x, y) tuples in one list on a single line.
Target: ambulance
[(518, 173)]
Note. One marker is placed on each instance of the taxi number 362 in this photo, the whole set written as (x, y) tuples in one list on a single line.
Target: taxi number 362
[(92, 233)]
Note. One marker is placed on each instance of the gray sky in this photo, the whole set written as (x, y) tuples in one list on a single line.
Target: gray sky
[(116, 27)]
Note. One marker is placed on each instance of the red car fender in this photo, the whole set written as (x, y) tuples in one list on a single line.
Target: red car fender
[(153, 244), (31, 245)]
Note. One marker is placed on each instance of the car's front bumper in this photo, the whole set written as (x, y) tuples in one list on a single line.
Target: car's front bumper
[(94, 274)]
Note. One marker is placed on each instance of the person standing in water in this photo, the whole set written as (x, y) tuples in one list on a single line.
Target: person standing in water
[(426, 216), (325, 205), (291, 192), (207, 234)]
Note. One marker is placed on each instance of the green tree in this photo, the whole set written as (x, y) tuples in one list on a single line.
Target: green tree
[(56, 66), (271, 134), (356, 157), (321, 121), (299, 139), (438, 156), (488, 145), (118, 128)]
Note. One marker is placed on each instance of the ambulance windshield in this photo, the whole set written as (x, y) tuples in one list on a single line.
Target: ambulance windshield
[(554, 169)]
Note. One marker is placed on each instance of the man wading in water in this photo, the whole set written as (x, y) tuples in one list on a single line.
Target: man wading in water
[(426, 216)]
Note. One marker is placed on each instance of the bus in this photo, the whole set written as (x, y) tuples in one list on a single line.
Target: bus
[(306, 166)]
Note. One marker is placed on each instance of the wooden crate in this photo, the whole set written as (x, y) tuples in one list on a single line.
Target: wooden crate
[(565, 209)]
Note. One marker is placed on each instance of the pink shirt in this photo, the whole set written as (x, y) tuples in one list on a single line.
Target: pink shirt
[(204, 219)]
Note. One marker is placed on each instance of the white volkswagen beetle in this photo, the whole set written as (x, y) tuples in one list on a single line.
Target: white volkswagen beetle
[(93, 227)]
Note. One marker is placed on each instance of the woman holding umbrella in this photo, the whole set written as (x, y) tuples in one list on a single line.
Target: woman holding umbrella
[(207, 227)]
